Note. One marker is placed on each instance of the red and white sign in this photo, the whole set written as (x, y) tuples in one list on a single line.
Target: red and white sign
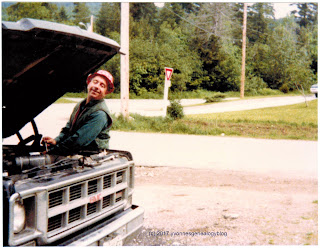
[(169, 72)]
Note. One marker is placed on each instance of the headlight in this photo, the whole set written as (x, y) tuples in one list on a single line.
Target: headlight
[(19, 219)]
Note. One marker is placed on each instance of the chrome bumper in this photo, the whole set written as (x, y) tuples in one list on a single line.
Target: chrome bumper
[(113, 232)]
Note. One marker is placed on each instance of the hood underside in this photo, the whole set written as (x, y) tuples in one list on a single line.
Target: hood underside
[(40, 62)]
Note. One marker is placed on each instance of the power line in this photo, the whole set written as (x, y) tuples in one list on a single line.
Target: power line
[(193, 24), (189, 21)]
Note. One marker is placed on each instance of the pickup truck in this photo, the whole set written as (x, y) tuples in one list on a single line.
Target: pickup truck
[(81, 199)]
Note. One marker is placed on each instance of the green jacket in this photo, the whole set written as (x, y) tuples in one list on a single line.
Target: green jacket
[(89, 131)]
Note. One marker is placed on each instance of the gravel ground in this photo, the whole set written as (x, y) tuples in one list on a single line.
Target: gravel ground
[(185, 206)]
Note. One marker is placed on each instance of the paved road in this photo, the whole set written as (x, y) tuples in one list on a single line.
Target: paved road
[(298, 158), (246, 104), (283, 157), (153, 107)]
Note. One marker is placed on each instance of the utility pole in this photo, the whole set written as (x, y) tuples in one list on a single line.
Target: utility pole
[(124, 60), (244, 38), (91, 24)]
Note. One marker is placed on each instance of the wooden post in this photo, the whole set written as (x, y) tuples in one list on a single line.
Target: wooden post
[(167, 84), (124, 60), (244, 38), (91, 24)]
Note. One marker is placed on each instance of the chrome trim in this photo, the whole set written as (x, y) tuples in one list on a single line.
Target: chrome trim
[(123, 222)]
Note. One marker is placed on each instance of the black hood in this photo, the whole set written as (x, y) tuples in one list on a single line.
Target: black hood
[(40, 62)]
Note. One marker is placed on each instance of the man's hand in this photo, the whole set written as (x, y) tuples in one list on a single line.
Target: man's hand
[(49, 141)]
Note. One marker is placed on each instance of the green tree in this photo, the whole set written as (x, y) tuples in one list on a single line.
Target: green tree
[(282, 60), (81, 13), (308, 38), (149, 56), (140, 11), (108, 19), (174, 52), (172, 13), (237, 23), (260, 15), (213, 39), (4, 14), (35, 10), (307, 14), (62, 16)]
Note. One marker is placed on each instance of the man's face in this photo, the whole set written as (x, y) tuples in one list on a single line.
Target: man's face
[(97, 88)]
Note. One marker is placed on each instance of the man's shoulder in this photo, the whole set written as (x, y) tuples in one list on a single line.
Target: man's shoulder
[(99, 113), (103, 106)]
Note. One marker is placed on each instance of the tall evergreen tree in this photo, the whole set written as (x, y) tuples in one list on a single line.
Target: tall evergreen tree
[(140, 11), (81, 13), (173, 13), (62, 15), (260, 15), (213, 39), (108, 19), (307, 14)]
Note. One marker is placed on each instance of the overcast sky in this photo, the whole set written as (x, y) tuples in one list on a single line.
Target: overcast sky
[(282, 9)]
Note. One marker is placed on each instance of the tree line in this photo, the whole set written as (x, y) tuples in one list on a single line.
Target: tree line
[(201, 41)]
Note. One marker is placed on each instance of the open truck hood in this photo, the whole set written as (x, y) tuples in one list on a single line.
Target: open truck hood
[(41, 61)]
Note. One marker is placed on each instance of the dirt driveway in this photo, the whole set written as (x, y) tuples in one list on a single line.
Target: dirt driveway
[(185, 206)]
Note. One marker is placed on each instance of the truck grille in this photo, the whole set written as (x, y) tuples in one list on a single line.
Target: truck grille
[(55, 222), (120, 177), (75, 192), (74, 204), (74, 215), (55, 199)]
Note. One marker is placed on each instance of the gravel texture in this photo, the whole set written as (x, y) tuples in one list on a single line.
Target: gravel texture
[(190, 207)]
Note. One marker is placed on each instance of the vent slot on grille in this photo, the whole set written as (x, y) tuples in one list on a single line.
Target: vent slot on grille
[(92, 187), (74, 215), (120, 177), (119, 195), (107, 182), (55, 199), (91, 208), (55, 222), (75, 192), (106, 202)]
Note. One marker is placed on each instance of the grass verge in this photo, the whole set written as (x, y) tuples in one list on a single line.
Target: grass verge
[(202, 94), (64, 100), (286, 122)]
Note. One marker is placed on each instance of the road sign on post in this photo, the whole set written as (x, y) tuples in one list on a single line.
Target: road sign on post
[(167, 84), (169, 72)]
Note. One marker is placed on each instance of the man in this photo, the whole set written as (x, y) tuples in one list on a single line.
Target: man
[(90, 122)]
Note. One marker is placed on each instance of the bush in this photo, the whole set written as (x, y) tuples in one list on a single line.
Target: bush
[(284, 88), (175, 110), (217, 97), (254, 84), (269, 92)]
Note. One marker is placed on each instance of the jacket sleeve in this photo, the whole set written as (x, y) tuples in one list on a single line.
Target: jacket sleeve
[(63, 132), (86, 134)]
